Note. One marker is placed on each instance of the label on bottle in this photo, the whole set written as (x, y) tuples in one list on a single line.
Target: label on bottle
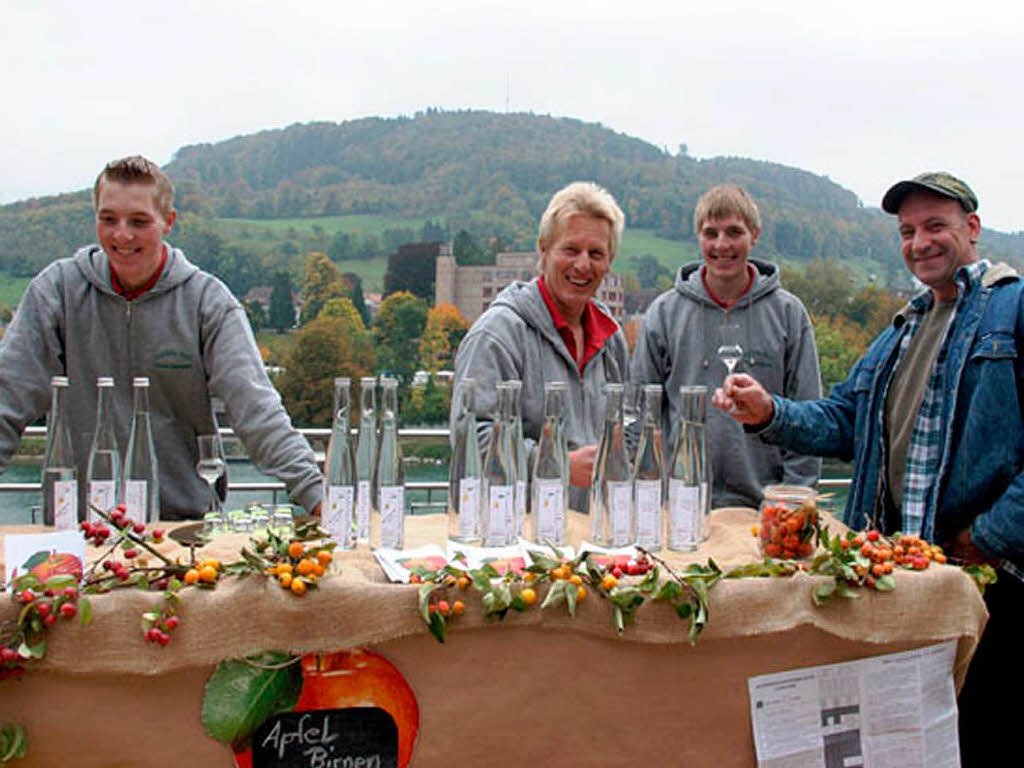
[(65, 504), (500, 504), (620, 504), (705, 510), (684, 515), (101, 496), (469, 507), (521, 496), (337, 517), (392, 516), (550, 512), (648, 513), (363, 510), (135, 498)]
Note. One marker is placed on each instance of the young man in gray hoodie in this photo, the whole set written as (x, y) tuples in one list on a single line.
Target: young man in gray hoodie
[(552, 329), (730, 299), (135, 306)]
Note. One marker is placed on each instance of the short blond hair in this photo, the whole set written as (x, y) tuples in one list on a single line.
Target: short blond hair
[(726, 200), (588, 199), (136, 169)]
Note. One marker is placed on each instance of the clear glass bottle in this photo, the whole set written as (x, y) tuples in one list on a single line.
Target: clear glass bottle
[(551, 470), (103, 472), (649, 474), (60, 475), (465, 470), (611, 487), (387, 515), (366, 455), (141, 474), (686, 473), (497, 523), (522, 471), (705, 469), (339, 472)]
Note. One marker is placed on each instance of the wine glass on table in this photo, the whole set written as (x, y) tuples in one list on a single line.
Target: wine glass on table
[(210, 467)]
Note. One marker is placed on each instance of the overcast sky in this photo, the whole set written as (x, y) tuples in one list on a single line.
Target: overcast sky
[(865, 92)]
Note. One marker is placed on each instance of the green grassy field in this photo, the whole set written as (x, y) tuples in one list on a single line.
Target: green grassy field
[(11, 289), (669, 253), (356, 224)]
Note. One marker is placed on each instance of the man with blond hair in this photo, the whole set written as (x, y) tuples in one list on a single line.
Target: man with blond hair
[(730, 299), (132, 305), (552, 329)]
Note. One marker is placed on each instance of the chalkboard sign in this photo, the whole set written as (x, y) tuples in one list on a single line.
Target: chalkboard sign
[(356, 737)]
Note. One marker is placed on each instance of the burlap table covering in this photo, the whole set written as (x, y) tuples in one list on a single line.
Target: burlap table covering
[(357, 607), (540, 688)]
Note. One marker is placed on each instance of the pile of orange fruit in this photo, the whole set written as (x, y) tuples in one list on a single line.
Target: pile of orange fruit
[(302, 568)]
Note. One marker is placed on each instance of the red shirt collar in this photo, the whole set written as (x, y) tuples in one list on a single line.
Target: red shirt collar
[(751, 273), (597, 327), (134, 293)]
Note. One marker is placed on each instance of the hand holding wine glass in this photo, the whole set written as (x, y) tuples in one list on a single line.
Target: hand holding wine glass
[(210, 465)]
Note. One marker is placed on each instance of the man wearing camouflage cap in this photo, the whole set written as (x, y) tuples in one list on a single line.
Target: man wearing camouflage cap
[(933, 418)]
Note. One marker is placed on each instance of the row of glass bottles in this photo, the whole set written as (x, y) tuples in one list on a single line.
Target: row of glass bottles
[(649, 502), (364, 488), (654, 504), (489, 493), (137, 482)]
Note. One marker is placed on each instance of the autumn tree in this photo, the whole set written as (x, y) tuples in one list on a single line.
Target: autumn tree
[(398, 327), (441, 337), (841, 343), (321, 282), (335, 343)]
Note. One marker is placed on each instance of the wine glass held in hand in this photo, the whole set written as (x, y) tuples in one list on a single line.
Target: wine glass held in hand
[(730, 352), (211, 464)]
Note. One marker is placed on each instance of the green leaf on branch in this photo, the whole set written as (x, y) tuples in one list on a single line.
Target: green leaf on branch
[(84, 611), (885, 583), (557, 594), (13, 742), (822, 593), (60, 582), (241, 694), (437, 626), (845, 590)]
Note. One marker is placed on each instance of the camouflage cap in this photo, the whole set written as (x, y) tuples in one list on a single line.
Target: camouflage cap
[(939, 182)]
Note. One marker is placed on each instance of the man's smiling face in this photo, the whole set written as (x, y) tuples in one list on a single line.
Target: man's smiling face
[(576, 262), (131, 229), (725, 244)]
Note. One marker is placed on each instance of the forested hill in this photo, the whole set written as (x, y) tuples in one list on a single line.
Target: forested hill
[(490, 174)]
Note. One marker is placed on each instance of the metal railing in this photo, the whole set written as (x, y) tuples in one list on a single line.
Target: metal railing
[(321, 434), (432, 489)]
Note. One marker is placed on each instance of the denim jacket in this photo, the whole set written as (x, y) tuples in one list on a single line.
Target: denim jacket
[(981, 468)]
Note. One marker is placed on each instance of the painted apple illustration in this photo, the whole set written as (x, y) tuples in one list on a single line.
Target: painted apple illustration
[(357, 678), (44, 565)]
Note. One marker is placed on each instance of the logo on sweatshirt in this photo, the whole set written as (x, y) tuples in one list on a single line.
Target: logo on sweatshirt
[(172, 359)]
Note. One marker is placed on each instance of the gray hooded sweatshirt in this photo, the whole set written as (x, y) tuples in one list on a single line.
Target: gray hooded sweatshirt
[(188, 334), (516, 339), (677, 347)]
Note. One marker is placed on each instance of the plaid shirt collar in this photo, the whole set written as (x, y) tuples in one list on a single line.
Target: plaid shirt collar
[(924, 448)]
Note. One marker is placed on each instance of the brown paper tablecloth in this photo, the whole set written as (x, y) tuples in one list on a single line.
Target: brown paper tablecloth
[(540, 687)]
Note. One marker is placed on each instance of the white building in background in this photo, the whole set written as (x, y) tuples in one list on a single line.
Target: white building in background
[(473, 288)]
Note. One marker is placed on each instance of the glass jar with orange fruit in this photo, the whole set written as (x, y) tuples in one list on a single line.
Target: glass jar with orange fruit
[(789, 517)]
